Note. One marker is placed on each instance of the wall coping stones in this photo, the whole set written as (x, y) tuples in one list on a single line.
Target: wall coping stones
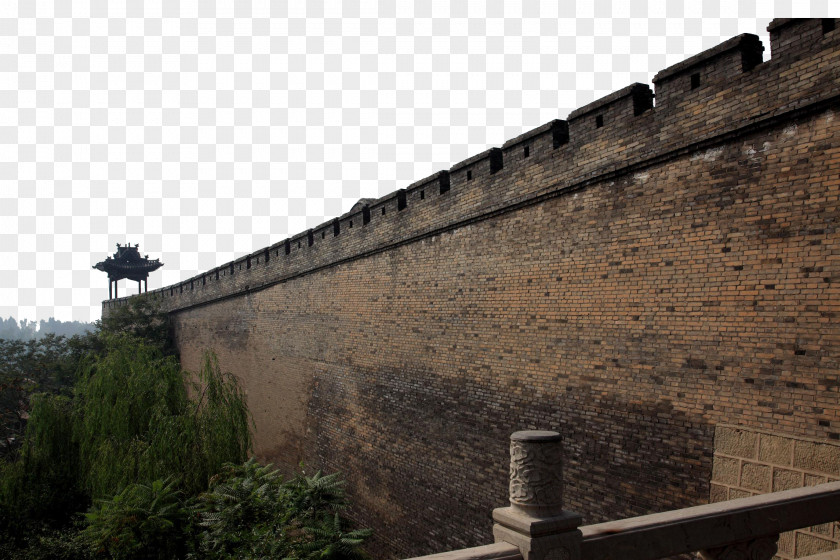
[(434, 177), (556, 126), (778, 23), (633, 90), (486, 154), (747, 43)]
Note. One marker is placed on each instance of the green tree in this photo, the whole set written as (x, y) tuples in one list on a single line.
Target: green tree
[(42, 484), (141, 318), (27, 367), (136, 422)]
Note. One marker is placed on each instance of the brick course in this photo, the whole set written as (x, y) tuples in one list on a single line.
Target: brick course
[(632, 283)]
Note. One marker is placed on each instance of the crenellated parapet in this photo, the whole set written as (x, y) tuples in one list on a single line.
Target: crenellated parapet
[(696, 104)]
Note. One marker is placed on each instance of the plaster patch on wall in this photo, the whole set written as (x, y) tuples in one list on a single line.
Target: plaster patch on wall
[(641, 177), (709, 155), (753, 154), (829, 116), (790, 130)]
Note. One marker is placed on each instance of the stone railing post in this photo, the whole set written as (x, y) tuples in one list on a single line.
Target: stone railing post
[(535, 521)]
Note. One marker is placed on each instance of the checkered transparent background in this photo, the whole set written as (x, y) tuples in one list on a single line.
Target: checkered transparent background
[(204, 130)]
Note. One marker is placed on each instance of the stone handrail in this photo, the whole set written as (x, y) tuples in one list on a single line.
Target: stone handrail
[(747, 523), (496, 551), (535, 527)]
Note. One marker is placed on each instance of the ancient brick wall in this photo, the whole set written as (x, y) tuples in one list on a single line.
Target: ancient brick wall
[(632, 277), (749, 462)]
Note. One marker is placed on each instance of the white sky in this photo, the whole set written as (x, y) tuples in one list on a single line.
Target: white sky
[(206, 130)]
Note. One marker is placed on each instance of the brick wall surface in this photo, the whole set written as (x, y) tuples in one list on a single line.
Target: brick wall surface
[(748, 462), (642, 276)]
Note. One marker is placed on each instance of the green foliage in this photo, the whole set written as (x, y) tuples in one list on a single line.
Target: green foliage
[(48, 363), (130, 420), (108, 412), (212, 430), (330, 539), (312, 497), (135, 420), (320, 531), (141, 318), (45, 365), (118, 397), (146, 521), (41, 542), (249, 512), (242, 512), (42, 483)]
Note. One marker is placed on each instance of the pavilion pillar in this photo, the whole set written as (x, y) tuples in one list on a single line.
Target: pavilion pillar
[(110, 289)]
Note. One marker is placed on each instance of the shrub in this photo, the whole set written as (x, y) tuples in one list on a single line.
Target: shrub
[(147, 521), (329, 538), (41, 542), (135, 421), (249, 512), (242, 513), (142, 318)]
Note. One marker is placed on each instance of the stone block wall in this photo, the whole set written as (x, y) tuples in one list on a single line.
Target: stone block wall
[(749, 462), (630, 277)]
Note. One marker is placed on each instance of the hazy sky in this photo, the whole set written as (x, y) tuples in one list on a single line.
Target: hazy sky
[(205, 130)]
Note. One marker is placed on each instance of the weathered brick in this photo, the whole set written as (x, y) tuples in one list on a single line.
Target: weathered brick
[(775, 449), (808, 544), (787, 544), (732, 441), (718, 493), (814, 479), (726, 471), (784, 479), (735, 493), (756, 477), (824, 529), (820, 457)]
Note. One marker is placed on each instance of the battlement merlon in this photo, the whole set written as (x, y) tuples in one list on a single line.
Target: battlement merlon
[(559, 130), (793, 38), (732, 57)]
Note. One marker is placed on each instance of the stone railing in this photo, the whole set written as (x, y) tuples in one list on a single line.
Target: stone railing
[(536, 527)]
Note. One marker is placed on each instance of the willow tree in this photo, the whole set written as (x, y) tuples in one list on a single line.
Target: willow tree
[(135, 421)]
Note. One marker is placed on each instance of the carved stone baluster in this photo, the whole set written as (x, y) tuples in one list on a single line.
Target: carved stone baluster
[(757, 549), (536, 473), (535, 521)]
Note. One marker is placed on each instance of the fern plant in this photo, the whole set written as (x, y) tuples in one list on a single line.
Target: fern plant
[(250, 512), (242, 511), (143, 521), (313, 496), (329, 538)]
